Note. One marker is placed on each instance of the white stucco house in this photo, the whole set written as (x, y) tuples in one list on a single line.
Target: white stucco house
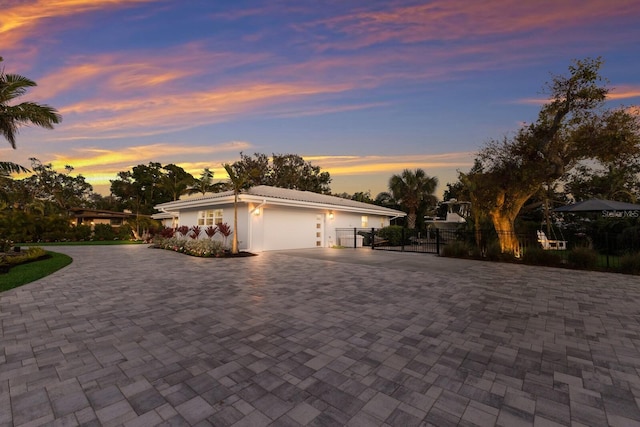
[(271, 218)]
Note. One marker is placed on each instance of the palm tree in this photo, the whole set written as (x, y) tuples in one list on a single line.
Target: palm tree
[(205, 184), (238, 182), (7, 168), (13, 86), (411, 189), (176, 181)]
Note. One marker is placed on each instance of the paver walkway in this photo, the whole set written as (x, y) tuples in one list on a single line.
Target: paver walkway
[(133, 336)]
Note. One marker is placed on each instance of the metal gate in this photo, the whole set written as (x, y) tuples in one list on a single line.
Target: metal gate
[(400, 239)]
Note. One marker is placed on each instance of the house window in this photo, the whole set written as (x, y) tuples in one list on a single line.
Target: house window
[(115, 221), (365, 221), (210, 217)]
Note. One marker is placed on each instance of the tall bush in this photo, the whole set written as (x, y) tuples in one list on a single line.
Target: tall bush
[(81, 232), (125, 232), (103, 232), (630, 263), (538, 256), (583, 258), (392, 234)]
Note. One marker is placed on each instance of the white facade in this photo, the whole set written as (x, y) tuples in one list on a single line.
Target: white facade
[(272, 218)]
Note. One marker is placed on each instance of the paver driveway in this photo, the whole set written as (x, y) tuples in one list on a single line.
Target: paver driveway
[(135, 336)]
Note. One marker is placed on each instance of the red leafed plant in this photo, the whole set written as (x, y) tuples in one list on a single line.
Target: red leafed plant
[(195, 232), (225, 230), (167, 232), (211, 231), (183, 230)]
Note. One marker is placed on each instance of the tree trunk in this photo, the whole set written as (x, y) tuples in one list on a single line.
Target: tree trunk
[(234, 242), (504, 225), (411, 219), (477, 228), (503, 217)]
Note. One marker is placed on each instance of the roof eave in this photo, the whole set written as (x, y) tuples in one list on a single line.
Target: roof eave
[(255, 198)]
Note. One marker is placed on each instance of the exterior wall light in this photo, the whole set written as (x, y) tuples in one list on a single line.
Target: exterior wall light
[(256, 211), (330, 214)]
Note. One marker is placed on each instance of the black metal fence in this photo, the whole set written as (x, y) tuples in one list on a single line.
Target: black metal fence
[(395, 239), (610, 247)]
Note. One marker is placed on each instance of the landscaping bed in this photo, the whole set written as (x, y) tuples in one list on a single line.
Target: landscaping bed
[(16, 257)]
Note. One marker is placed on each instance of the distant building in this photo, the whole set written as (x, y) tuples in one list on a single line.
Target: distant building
[(94, 216)]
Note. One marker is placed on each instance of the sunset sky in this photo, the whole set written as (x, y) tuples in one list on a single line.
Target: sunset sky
[(361, 88)]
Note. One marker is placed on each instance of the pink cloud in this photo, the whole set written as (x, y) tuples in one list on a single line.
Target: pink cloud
[(460, 19)]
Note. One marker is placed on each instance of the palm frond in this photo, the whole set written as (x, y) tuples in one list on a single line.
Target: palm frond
[(7, 168)]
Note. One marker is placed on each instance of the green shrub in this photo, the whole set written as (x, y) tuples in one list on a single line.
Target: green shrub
[(30, 254), (628, 238), (5, 245), (125, 232), (54, 236), (538, 256), (103, 232), (457, 249), (630, 263), (583, 258), (391, 233), (82, 232), (493, 251)]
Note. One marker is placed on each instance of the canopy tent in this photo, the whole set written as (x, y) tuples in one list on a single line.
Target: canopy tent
[(607, 207)]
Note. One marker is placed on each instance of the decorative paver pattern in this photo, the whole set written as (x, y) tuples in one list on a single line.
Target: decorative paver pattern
[(134, 336)]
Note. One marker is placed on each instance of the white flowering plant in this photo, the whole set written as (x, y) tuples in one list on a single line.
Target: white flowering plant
[(197, 247)]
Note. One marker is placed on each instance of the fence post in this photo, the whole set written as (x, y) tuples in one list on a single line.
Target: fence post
[(606, 237), (438, 241), (373, 238), (355, 233)]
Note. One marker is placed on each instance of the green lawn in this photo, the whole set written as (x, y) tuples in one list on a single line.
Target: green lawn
[(89, 243), (26, 273)]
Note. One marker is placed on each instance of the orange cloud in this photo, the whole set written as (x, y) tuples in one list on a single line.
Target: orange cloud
[(157, 112), (100, 166), (616, 93), (20, 20), (97, 161), (369, 165), (624, 92), (123, 77)]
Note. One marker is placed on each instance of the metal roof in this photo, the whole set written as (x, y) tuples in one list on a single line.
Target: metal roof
[(598, 205), (279, 196)]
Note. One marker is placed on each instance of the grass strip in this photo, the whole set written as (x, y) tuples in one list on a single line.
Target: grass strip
[(28, 272), (88, 243)]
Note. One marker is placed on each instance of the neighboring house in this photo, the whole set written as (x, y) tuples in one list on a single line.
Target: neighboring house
[(94, 216), (167, 219), (271, 218)]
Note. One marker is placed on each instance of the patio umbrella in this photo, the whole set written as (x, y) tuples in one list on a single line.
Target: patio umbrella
[(598, 205)]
